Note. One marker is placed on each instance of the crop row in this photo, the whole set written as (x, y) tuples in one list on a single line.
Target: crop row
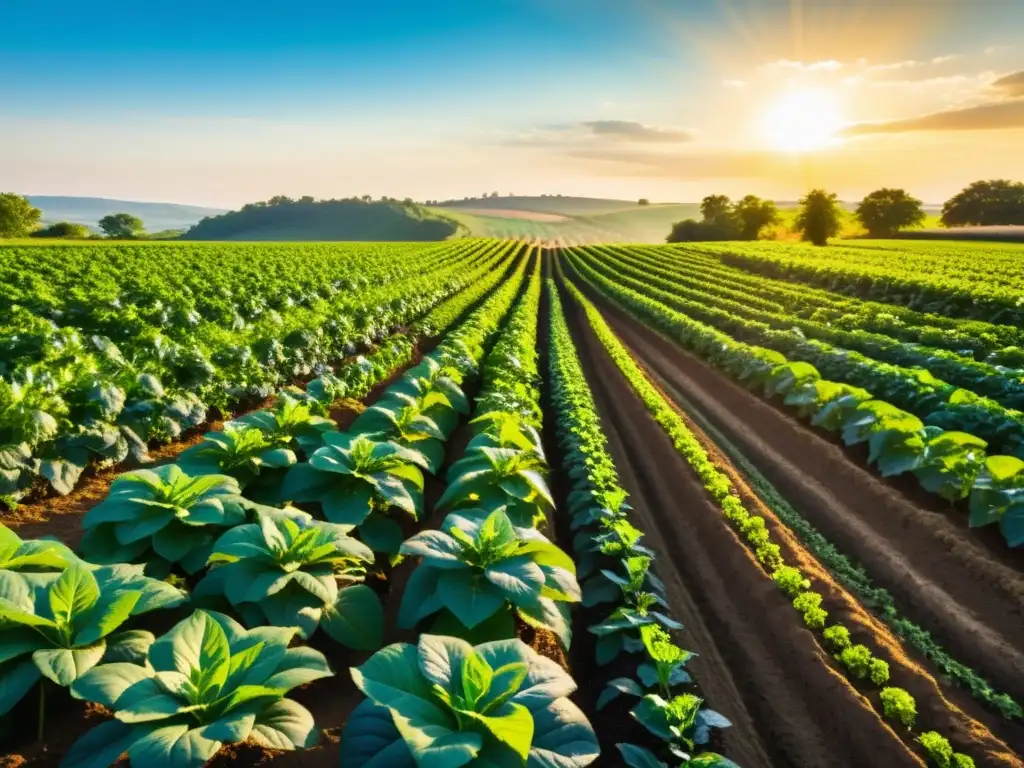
[(618, 570), (951, 464), (914, 389), (209, 681), (753, 301), (998, 343), (859, 662), (81, 400), (980, 282)]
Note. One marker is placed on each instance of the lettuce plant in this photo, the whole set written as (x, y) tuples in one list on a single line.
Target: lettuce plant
[(289, 424), (60, 625), (480, 567), (357, 481), (290, 570), (499, 477), (162, 517), (206, 683), (244, 453), (444, 702)]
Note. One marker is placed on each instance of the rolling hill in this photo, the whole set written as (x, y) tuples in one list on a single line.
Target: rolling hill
[(89, 210)]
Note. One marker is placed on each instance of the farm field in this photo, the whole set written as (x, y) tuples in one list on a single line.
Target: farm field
[(490, 503)]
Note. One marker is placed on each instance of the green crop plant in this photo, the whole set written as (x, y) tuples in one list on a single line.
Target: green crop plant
[(206, 683), (446, 703), (357, 481), (289, 570), (162, 517), (479, 568)]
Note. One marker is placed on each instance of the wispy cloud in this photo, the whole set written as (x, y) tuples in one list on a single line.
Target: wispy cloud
[(1006, 111), (737, 84), (1011, 85), (633, 131), (984, 117)]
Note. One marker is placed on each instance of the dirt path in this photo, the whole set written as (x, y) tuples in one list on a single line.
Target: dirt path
[(756, 663)]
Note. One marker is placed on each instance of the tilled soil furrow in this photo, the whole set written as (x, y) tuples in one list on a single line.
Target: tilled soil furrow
[(757, 663), (941, 576)]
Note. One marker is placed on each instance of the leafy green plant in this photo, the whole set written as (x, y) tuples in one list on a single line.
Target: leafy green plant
[(289, 570), (941, 753), (357, 481), (162, 517), (622, 630), (447, 703), (682, 721), (244, 453), (34, 555), (837, 637), (59, 625), (499, 477), (640, 757), (290, 424), (406, 425), (480, 567), (998, 497), (206, 683), (899, 705)]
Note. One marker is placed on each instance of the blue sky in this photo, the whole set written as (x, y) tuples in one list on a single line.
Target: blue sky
[(220, 103)]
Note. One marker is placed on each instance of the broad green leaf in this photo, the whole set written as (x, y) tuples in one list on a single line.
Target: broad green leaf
[(112, 610), (356, 619), (102, 746), (173, 746), (106, 683), (16, 680), (286, 725), (512, 725), (73, 594), (469, 596)]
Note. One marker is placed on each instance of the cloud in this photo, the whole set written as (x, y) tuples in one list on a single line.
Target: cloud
[(737, 84), (632, 131), (998, 115), (1011, 85)]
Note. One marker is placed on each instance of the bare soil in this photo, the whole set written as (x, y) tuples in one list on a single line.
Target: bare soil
[(788, 703), (945, 576)]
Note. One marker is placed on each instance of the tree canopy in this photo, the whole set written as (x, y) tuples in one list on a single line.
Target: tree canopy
[(725, 220), (999, 202), (122, 226), (885, 212), (818, 218), (18, 217), (65, 229)]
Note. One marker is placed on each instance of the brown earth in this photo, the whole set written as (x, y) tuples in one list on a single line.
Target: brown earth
[(788, 703), (943, 575)]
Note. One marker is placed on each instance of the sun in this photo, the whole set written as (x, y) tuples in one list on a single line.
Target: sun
[(803, 120)]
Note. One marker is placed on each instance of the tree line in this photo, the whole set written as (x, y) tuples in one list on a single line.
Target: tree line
[(19, 218), (883, 213)]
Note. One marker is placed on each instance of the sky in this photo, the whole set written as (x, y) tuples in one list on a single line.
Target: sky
[(222, 102)]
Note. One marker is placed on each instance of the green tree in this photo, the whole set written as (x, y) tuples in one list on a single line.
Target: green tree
[(716, 208), (643, 201), (754, 214), (122, 226), (65, 229), (18, 217), (885, 212), (999, 202), (818, 218)]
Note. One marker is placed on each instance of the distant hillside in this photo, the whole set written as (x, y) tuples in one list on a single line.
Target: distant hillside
[(89, 210), (328, 220)]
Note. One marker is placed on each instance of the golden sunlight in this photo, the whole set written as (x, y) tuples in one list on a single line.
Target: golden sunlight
[(803, 120)]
